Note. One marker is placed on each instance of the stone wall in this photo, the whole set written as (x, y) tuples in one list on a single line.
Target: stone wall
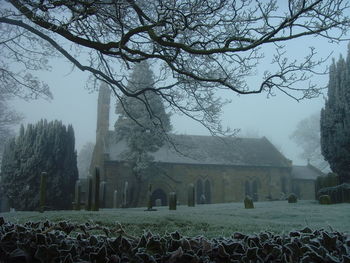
[(304, 189)]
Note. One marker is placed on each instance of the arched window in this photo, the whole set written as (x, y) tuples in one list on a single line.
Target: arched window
[(284, 185), (207, 192), (255, 190), (199, 191), (248, 189)]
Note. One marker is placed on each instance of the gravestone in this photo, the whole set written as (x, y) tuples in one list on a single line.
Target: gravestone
[(42, 203), (292, 198), (202, 199), (248, 202), (115, 199), (102, 197), (149, 199), (172, 201), (325, 200), (77, 195), (88, 205), (191, 195), (125, 195), (4, 205), (96, 190), (158, 202)]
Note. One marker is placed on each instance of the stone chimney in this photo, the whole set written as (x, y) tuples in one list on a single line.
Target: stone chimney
[(103, 104), (100, 153)]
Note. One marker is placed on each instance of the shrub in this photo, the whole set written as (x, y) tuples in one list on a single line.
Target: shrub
[(68, 242), (248, 202), (292, 198), (325, 200), (338, 194)]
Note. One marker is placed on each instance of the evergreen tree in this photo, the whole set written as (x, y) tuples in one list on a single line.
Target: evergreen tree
[(45, 146), (143, 123), (335, 119)]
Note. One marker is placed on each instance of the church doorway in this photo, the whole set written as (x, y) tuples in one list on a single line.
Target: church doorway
[(159, 194)]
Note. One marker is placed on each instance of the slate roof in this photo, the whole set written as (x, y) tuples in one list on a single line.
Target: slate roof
[(307, 172), (196, 149)]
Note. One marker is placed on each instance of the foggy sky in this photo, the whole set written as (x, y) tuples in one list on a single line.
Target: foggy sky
[(256, 115)]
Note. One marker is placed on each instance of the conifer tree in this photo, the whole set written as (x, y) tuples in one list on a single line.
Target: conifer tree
[(43, 147), (144, 126), (335, 119)]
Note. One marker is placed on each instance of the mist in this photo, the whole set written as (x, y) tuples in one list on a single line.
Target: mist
[(258, 115)]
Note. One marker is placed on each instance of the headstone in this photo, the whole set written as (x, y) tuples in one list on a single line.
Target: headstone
[(88, 206), (202, 199), (248, 202), (5, 206), (172, 201), (292, 198), (325, 200), (125, 195), (149, 199), (191, 195), (158, 202), (43, 179), (77, 195), (115, 199), (103, 194), (96, 190)]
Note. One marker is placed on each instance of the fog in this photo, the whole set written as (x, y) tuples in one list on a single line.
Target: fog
[(255, 115)]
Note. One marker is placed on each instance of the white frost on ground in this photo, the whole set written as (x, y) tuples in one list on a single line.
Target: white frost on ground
[(209, 220)]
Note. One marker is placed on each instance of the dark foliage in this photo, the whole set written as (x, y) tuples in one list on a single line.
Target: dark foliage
[(292, 198), (43, 147), (67, 242), (338, 194), (329, 180), (335, 120)]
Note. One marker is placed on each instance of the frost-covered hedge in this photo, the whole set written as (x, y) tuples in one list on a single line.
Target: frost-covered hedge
[(338, 194), (67, 242)]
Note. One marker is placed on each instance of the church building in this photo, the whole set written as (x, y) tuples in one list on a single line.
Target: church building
[(221, 169)]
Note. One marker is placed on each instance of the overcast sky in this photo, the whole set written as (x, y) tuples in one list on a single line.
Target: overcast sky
[(255, 115)]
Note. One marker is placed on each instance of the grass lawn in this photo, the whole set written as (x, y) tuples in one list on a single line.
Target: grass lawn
[(208, 220)]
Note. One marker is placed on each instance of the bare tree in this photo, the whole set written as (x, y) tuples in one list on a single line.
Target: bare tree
[(307, 136), (8, 119), (199, 47)]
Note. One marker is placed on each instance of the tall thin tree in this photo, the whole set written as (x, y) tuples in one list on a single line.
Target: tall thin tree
[(144, 126), (335, 119)]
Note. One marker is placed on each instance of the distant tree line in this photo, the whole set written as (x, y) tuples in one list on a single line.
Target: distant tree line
[(45, 146)]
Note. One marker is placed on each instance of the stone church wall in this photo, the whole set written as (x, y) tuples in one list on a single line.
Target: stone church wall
[(217, 184)]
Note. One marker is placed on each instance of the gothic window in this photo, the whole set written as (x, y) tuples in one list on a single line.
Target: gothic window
[(207, 191), (284, 185), (248, 189), (255, 190), (199, 191)]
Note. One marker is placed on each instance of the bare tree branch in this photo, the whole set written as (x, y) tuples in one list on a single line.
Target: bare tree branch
[(199, 46)]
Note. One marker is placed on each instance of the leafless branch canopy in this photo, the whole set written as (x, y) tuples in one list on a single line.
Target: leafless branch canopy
[(198, 46)]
